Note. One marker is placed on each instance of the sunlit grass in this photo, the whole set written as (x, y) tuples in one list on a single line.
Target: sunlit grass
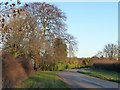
[(103, 74), (46, 79)]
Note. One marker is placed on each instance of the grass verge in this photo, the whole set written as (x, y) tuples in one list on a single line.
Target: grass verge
[(46, 79), (102, 74)]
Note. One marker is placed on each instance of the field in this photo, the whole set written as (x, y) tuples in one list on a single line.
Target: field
[(46, 79), (102, 74)]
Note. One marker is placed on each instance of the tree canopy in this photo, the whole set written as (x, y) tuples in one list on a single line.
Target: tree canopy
[(36, 31)]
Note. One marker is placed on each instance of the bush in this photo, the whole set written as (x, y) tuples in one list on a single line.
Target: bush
[(70, 66), (27, 65), (110, 67), (12, 71), (87, 62), (59, 66)]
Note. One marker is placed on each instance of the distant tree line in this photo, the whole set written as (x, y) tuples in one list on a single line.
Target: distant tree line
[(109, 51)]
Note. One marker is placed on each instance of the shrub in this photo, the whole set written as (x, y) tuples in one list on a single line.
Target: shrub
[(27, 65), (110, 67), (60, 66), (70, 66), (12, 71), (87, 62)]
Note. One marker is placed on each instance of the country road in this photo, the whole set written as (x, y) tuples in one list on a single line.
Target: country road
[(77, 80)]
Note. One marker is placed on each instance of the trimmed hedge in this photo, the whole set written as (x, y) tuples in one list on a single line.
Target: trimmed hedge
[(14, 70), (61, 66), (110, 67), (27, 65)]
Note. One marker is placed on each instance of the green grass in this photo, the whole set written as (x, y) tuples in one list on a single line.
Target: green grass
[(46, 79), (102, 74)]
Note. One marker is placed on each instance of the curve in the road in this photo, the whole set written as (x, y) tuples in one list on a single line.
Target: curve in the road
[(77, 80)]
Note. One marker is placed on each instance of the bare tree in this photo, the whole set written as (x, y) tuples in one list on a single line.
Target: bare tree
[(22, 30), (31, 30), (8, 10), (50, 20), (100, 54), (111, 50)]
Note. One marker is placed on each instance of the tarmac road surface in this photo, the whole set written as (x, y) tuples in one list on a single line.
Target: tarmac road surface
[(77, 80)]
